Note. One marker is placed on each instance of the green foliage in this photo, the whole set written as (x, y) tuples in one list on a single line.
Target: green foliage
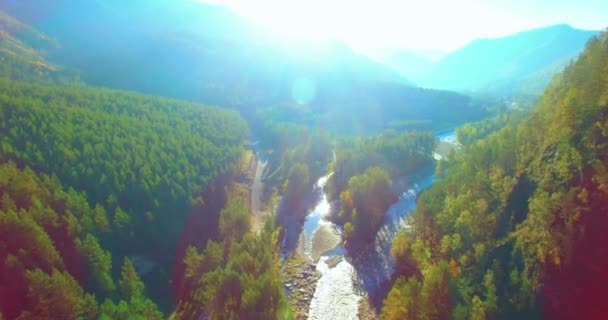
[(134, 305), (298, 179), (401, 252), (149, 154), (402, 302), (100, 218), (354, 94), (491, 300), (399, 153), (139, 309), (57, 295), (99, 262), (121, 219), (295, 145), (142, 160), (237, 278), (297, 183), (365, 202), (474, 131), (234, 220), (130, 285), (478, 310), (44, 241), (22, 54), (512, 212), (415, 299), (37, 219)]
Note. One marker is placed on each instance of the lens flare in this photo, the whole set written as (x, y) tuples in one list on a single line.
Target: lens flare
[(303, 91)]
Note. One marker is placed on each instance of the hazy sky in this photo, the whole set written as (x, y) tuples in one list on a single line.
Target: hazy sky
[(422, 25)]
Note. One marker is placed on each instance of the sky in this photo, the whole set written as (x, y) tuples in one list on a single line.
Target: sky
[(371, 26)]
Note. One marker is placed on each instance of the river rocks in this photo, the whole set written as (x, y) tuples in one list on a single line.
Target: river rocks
[(337, 295), (324, 239), (366, 311), (333, 261), (300, 280)]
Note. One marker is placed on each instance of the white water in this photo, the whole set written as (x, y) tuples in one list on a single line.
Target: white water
[(449, 137), (340, 289), (258, 186), (336, 296), (316, 218)]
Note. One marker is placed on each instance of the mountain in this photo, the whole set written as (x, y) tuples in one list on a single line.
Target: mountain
[(12, 32), (23, 53), (410, 65), (511, 63), (515, 226), (208, 54)]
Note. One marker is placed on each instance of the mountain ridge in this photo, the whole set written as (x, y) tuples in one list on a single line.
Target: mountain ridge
[(243, 67), (504, 65), (514, 54)]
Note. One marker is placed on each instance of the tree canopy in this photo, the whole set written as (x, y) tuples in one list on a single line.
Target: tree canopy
[(132, 165), (514, 222), (49, 256)]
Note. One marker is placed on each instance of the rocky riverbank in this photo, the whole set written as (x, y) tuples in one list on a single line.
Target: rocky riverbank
[(300, 280), (366, 311)]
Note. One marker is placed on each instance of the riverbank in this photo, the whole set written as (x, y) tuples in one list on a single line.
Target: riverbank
[(262, 199), (300, 278), (350, 286), (337, 295), (366, 311)]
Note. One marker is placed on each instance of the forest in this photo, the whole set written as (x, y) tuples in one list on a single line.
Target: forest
[(119, 204), (363, 174), (400, 153), (143, 159), (51, 255), (513, 228), (236, 276), (202, 52), (98, 187), (124, 171)]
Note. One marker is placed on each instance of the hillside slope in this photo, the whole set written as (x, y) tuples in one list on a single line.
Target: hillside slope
[(141, 162), (507, 64), (23, 54), (515, 226), (204, 53)]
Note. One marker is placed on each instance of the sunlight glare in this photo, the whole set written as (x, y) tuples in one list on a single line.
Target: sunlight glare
[(308, 22), (364, 25), (370, 25), (303, 91)]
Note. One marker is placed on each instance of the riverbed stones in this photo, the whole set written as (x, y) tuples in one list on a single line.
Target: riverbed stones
[(300, 280), (324, 239)]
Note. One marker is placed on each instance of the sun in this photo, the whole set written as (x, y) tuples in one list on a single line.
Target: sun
[(298, 22), (365, 26), (304, 21)]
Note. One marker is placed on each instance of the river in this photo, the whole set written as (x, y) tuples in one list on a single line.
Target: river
[(257, 187), (343, 283)]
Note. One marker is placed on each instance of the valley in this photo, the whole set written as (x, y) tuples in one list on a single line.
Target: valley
[(181, 160)]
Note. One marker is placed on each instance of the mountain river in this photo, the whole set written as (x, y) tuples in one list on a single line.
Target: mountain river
[(344, 283)]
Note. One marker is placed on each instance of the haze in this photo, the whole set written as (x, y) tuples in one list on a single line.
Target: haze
[(423, 26)]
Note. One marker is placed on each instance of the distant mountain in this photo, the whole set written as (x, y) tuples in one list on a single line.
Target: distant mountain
[(23, 51), (209, 54), (410, 65), (194, 44), (523, 61)]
